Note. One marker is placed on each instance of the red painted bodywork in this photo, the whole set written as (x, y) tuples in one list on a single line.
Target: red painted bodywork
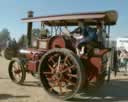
[(33, 59), (62, 42), (32, 66), (58, 42), (93, 64)]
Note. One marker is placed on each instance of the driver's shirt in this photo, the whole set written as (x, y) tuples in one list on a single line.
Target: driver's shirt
[(89, 34), (101, 37)]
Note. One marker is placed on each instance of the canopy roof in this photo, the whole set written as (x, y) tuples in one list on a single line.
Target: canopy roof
[(91, 18)]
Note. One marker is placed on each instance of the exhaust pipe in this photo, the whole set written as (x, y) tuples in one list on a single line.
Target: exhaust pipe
[(29, 30)]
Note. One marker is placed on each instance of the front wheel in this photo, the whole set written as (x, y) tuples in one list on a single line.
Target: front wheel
[(17, 71), (61, 73)]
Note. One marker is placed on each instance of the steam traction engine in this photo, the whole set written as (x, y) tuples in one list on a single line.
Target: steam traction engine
[(60, 69)]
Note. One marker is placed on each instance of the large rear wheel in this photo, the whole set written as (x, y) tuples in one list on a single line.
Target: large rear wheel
[(61, 73)]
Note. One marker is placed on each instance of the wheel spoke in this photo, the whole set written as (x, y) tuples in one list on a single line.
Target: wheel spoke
[(52, 87), (68, 68), (19, 75), (65, 59), (55, 55), (73, 75), (17, 69), (69, 81), (47, 73), (60, 87), (58, 65), (52, 60), (51, 68), (50, 79), (68, 62), (14, 74), (14, 67)]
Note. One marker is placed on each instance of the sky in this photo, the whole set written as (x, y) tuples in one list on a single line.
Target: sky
[(12, 11)]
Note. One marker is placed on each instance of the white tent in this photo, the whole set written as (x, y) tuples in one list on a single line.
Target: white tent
[(122, 43)]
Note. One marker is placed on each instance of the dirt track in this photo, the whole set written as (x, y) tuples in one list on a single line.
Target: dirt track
[(31, 91)]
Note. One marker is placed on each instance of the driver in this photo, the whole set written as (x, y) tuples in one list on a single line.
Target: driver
[(89, 34)]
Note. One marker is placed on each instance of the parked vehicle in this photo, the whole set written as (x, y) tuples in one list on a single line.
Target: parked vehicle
[(63, 64), (11, 49)]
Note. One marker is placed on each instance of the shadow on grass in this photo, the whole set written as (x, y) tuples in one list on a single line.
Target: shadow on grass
[(116, 90), (32, 83), (7, 96), (4, 78)]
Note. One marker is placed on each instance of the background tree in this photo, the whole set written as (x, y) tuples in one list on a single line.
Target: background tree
[(4, 35), (22, 41), (35, 32)]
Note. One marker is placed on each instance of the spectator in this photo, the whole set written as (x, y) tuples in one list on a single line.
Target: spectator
[(124, 59)]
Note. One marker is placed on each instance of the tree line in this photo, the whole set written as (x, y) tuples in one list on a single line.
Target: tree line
[(5, 36)]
